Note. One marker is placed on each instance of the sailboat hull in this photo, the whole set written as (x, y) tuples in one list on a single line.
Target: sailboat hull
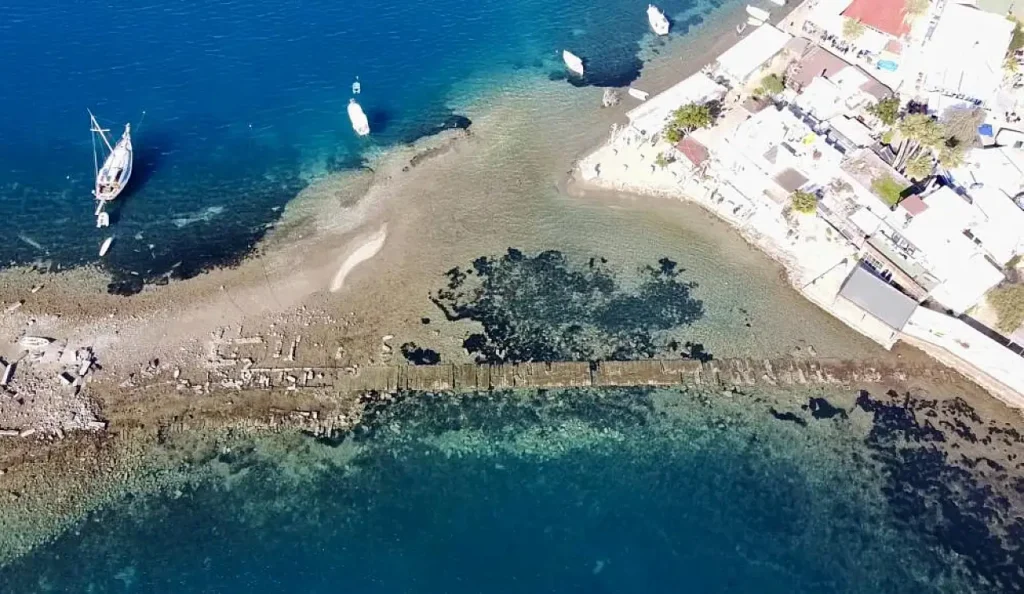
[(113, 176)]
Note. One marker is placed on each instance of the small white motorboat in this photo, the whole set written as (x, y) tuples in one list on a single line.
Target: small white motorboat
[(113, 175), (754, 21), (779, 2), (359, 121), (573, 62), (758, 13), (105, 247), (638, 94), (657, 19), (356, 87)]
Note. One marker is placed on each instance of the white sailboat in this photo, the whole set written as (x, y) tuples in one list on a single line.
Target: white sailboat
[(359, 122), (659, 23), (573, 62), (113, 175)]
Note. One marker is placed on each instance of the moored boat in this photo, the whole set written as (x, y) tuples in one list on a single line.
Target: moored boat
[(105, 247), (113, 175), (638, 94), (573, 62), (758, 13), (359, 121), (657, 19)]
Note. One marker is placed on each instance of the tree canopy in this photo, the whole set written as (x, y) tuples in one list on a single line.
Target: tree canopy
[(914, 9), (686, 119), (804, 202), (887, 110), (1017, 40), (920, 166), (772, 85), (1008, 301), (852, 29), (922, 129)]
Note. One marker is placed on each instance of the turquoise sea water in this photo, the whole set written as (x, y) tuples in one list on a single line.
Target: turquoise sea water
[(576, 491), (237, 105)]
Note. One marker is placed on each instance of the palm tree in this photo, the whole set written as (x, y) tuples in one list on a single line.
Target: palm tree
[(917, 132), (920, 166), (852, 29), (914, 9)]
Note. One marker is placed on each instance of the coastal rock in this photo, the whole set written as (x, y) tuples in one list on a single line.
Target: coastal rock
[(611, 97)]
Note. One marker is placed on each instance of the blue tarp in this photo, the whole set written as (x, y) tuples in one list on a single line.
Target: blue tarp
[(985, 129)]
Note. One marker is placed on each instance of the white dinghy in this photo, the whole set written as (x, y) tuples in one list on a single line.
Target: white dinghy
[(657, 19), (573, 62)]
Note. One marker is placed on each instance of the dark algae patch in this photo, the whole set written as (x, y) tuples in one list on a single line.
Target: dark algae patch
[(546, 308), (936, 482)]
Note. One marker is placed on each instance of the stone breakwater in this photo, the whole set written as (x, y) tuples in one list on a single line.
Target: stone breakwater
[(724, 373)]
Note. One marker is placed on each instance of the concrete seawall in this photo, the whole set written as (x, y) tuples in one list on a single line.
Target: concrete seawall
[(469, 377)]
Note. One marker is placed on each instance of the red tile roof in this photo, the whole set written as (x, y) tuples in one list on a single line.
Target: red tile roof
[(914, 205), (694, 151), (885, 15)]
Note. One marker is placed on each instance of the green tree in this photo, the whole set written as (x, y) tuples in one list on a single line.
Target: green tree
[(852, 29), (686, 119), (1008, 301), (888, 189), (804, 202), (920, 166), (887, 110), (1017, 39), (915, 9), (661, 161), (917, 132), (771, 85), (951, 155)]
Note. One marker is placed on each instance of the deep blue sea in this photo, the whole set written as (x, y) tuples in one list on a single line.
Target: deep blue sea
[(237, 105)]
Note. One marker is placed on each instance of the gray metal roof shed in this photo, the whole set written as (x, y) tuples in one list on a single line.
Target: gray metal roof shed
[(878, 298)]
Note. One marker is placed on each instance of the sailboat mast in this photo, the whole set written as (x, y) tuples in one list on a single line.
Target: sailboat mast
[(101, 131)]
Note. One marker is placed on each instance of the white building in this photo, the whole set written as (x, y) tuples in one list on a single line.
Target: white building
[(964, 56), (742, 61), (993, 178), (651, 116), (825, 98), (936, 226), (774, 153)]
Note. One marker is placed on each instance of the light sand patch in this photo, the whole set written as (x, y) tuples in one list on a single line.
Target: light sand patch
[(366, 249)]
